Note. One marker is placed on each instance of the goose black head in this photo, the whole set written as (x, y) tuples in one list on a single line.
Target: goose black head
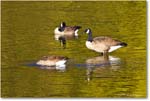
[(88, 31), (62, 27)]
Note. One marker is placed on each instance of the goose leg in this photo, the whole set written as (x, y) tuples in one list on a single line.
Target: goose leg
[(106, 58), (105, 54)]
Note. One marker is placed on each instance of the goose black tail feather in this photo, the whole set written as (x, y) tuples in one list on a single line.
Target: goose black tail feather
[(123, 44), (77, 27)]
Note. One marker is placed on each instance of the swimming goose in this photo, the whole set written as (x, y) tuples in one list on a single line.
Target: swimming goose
[(102, 44), (52, 61), (67, 31)]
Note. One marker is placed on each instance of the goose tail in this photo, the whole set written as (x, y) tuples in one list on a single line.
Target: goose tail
[(123, 44), (77, 27)]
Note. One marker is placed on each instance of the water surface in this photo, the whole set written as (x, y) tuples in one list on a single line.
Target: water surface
[(27, 35)]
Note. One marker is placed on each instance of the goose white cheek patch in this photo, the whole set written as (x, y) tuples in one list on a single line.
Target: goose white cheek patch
[(61, 25), (88, 31)]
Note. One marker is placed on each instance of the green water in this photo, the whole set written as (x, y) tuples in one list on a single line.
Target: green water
[(27, 35)]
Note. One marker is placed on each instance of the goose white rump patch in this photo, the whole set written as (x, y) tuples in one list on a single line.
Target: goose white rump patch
[(76, 32), (112, 48), (60, 63)]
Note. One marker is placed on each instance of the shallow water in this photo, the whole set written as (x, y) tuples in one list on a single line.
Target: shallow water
[(27, 35)]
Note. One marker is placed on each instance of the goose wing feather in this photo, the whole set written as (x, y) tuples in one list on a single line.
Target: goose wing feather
[(106, 40)]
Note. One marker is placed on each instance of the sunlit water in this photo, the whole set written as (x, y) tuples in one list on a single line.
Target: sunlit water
[(27, 35)]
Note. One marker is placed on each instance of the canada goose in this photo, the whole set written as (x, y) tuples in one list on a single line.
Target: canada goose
[(102, 44), (52, 61), (67, 31)]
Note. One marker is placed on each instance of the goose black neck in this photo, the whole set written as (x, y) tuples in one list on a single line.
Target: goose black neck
[(90, 37)]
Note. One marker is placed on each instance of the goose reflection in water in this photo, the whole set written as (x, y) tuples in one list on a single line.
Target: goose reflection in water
[(58, 68), (63, 39), (99, 64)]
